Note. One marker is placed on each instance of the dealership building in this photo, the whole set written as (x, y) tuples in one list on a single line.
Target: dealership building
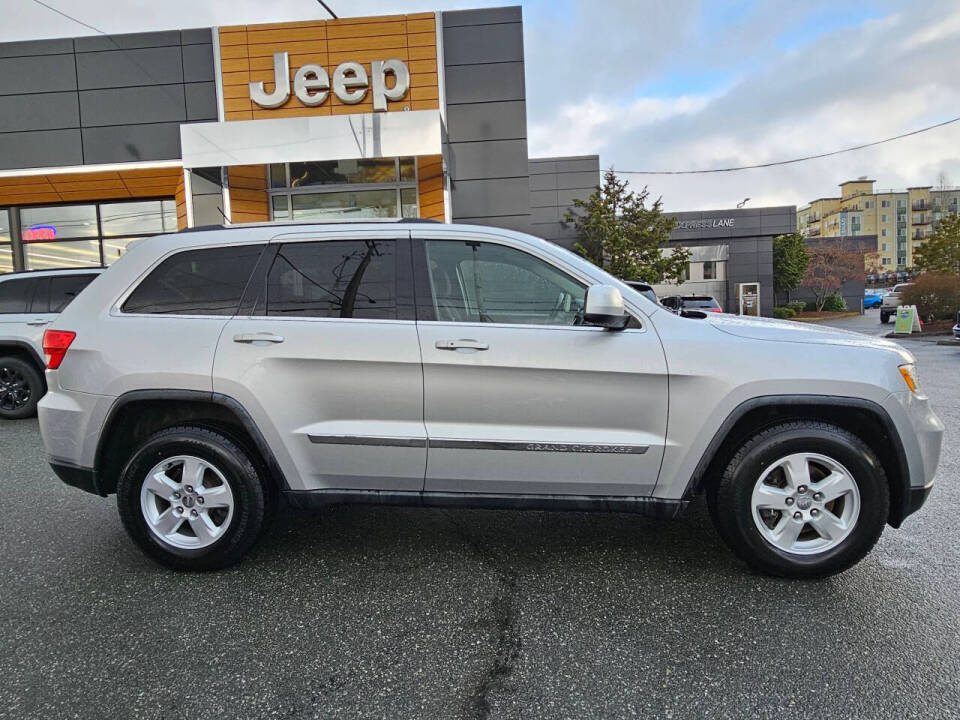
[(106, 139)]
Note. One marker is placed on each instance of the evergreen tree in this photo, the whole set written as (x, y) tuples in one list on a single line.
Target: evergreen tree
[(626, 237)]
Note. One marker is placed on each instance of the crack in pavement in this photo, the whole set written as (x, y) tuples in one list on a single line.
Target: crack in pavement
[(507, 649)]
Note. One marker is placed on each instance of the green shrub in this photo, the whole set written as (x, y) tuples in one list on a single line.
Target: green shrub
[(835, 303), (798, 306), (810, 306), (937, 297), (784, 313)]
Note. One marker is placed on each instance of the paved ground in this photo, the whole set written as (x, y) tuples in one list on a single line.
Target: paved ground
[(373, 612)]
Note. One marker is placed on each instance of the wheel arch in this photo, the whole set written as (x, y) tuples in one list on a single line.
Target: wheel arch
[(864, 418), (26, 352), (136, 415)]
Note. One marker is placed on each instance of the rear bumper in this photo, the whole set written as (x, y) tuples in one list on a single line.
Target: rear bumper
[(78, 477)]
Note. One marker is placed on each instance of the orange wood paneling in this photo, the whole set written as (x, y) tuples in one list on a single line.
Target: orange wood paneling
[(181, 198), (246, 56), (430, 186), (248, 193), (83, 187)]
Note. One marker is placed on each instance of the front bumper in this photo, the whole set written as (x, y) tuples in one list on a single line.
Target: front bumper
[(921, 433), (956, 331)]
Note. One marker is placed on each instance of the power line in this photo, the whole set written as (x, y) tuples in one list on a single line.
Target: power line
[(69, 17), (327, 8), (788, 162)]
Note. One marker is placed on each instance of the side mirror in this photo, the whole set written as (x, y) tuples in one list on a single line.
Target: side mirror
[(603, 307)]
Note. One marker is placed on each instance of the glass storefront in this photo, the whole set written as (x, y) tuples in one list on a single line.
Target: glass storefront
[(83, 235), (344, 189)]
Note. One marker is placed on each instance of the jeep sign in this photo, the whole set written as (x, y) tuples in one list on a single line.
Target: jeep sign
[(312, 85)]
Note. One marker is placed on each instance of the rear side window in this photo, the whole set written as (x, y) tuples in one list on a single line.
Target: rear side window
[(63, 290), (334, 279), (15, 295), (196, 282)]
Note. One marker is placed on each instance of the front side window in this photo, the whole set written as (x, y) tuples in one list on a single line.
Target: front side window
[(334, 279), (210, 281), (484, 282)]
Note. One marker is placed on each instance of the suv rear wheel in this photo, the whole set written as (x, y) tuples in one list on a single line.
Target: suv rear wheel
[(802, 499), (20, 388), (192, 499)]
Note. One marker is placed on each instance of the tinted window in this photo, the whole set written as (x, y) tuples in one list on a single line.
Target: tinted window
[(701, 303), (336, 278), (483, 282), (196, 282), (15, 295), (64, 289)]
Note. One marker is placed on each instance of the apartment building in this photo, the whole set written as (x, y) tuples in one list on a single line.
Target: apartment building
[(899, 219)]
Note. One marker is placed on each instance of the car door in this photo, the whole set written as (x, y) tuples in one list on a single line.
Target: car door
[(519, 396), (21, 322), (327, 361)]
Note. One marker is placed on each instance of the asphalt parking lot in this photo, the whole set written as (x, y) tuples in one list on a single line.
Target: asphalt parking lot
[(380, 612)]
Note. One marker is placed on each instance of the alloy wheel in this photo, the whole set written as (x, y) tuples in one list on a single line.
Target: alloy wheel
[(805, 503), (186, 502), (15, 391)]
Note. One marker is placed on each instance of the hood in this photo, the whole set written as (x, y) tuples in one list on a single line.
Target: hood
[(791, 331)]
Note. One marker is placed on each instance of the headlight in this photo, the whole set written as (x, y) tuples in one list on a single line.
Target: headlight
[(910, 377)]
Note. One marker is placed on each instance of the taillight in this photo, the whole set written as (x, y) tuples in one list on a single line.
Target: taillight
[(55, 346), (719, 310)]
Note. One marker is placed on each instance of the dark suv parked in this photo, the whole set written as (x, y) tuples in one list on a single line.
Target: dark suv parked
[(680, 303)]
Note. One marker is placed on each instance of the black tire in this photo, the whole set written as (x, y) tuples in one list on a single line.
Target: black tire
[(248, 487), (34, 386), (884, 317), (731, 501)]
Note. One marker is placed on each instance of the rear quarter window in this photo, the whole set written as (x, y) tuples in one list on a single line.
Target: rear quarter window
[(208, 281), (15, 295)]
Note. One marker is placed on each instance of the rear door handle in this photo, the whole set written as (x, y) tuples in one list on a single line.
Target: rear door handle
[(461, 344), (38, 322), (257, 338)]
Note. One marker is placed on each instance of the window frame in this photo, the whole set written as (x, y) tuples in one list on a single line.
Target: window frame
[(424, 293)]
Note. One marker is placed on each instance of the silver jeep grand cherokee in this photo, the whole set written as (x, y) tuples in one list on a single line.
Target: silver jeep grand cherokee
[(207, 373)]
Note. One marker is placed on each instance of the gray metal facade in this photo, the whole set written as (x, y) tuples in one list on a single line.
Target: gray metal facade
[(554, 184), (94, 100), (486, 133), (748, 235)]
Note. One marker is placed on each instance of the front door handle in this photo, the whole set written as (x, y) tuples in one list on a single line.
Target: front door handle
[(257, 338), (39, 322), (461, 344)]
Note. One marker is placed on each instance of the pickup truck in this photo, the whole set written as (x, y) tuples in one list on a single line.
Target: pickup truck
[(891, 301)]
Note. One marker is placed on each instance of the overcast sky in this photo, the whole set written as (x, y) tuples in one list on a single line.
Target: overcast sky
[(678, 85)]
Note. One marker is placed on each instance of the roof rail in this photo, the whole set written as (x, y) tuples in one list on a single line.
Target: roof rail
[(300, 223)]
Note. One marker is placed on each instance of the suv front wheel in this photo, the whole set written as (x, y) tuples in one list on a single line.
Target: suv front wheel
[(802, 499), (192, 499)]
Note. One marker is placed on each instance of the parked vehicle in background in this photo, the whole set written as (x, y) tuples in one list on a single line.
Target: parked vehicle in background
[(436, 365), (29, 301), (891, 301), (956, 328), (871, 300), (644, 289), (681, 303)]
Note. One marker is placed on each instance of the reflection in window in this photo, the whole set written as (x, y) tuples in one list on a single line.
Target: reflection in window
[(340, 172), (50, 255), (6, 258), (58, 222), (408, 203), (335, 278), (281, 209), (361, 204), (4, 225), (115, 248), (131, 218), (483, 282)]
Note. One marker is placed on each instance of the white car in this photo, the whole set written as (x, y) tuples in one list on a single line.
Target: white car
[(207, 372), (29, 301)]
